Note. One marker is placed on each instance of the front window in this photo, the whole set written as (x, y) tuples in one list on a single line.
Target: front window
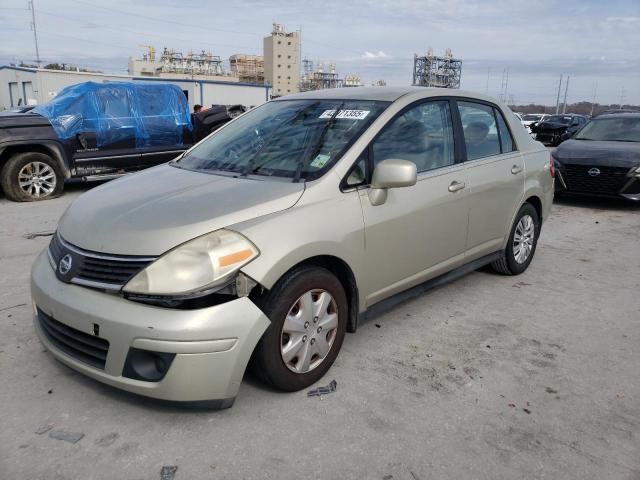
[(298, 139), (611, 130)]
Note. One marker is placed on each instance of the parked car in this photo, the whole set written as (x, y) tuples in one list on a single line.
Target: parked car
[(532, 118), (275, 235), (556, 128), (602, 159), (95, 131), (621, 110)]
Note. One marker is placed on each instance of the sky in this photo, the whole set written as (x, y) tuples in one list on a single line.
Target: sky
[(595, 42)]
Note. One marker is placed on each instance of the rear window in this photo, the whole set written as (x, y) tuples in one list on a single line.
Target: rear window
[(480, 131)]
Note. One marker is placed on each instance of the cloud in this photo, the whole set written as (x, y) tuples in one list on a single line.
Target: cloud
[(378, 54)]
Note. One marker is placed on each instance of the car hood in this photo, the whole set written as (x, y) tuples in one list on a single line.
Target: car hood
[(588, 152), (152, 211), (15, 119)]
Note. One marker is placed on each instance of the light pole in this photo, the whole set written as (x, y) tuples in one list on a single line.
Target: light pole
[(33, 27)]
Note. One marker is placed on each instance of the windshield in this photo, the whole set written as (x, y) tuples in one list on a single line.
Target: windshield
[(611, 130), (531, 118), (562, 119), (288, 138)]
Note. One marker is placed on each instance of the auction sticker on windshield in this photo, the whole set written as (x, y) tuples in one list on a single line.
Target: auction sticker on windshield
[(351, 114)]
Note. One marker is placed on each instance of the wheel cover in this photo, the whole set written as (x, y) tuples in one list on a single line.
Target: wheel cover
[(309, 331), (37, 179), (523, 239)]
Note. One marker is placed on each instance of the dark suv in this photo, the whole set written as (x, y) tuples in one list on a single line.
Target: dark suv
[(97, 131)]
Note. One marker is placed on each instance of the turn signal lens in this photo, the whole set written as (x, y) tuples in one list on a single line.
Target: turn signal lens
[(552, 165)]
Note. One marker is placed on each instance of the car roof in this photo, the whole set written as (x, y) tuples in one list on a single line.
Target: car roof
[(620, 115), (389, 94)]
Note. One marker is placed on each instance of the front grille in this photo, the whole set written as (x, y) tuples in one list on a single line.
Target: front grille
[(609, 181), (93, 269), (79, 345)]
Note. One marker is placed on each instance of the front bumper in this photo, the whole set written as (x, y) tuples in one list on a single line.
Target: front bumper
[(212, 345)]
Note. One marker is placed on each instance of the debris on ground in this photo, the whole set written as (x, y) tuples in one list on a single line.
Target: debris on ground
[(70, 437), (318, 392), (12, 306), (551, 390), (377, 325), (512, 405), (168, 472), (527, 411), (43, 429), (31, 236)]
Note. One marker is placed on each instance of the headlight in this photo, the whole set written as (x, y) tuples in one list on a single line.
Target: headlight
[(199, 264)]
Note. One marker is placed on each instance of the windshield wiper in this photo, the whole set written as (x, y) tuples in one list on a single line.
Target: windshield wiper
[(249, 167), (314, 147)]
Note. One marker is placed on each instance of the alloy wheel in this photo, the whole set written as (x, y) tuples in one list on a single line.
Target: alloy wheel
[(37, 179), (523, 239)]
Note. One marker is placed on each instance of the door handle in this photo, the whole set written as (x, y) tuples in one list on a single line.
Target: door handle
[(516, 169), (455, 186)]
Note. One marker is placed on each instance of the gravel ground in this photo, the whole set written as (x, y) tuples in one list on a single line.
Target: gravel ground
[(493, 377)]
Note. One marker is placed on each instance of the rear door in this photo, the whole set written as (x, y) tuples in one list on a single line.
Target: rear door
[(495, 172), (420, 231)]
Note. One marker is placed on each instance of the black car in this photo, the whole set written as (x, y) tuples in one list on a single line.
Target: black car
[(554, 129), (98, 131), (602, 159)]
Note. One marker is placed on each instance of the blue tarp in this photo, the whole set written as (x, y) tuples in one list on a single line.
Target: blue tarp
[(154, 114)]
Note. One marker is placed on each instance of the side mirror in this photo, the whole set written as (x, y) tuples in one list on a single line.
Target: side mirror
[(391, 174)]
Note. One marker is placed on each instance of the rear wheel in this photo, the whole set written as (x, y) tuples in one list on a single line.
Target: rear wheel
[(521, 246), (308, 312), (31, 176)]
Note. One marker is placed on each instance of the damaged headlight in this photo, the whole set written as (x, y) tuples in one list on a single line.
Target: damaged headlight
[(198, 265)]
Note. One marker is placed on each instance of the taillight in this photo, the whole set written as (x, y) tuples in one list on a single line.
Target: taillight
[(552, 165)]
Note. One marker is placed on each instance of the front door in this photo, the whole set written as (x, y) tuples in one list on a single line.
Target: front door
[(420, 231)]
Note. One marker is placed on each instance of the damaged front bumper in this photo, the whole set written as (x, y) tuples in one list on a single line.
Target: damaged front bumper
[(168, 354)]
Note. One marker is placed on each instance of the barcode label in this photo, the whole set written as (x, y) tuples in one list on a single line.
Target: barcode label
[(350, 114)]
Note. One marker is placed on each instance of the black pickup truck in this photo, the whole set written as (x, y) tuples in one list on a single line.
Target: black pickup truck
[(98, 131)]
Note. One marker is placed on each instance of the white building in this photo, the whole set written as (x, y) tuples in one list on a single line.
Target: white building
[(282, 61), (34, 86)]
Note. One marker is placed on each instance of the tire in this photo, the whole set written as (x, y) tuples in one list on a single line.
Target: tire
[(287, 300), (509, 264), (43, 173)]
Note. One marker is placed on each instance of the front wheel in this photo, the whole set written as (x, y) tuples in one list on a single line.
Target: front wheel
[(522, 243), (31, 176), (308, 312)]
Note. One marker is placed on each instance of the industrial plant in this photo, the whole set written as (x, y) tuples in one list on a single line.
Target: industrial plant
[(281, 70), (437, 71)]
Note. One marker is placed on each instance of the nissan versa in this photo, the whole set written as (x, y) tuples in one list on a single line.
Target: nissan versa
[(267, 241)]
